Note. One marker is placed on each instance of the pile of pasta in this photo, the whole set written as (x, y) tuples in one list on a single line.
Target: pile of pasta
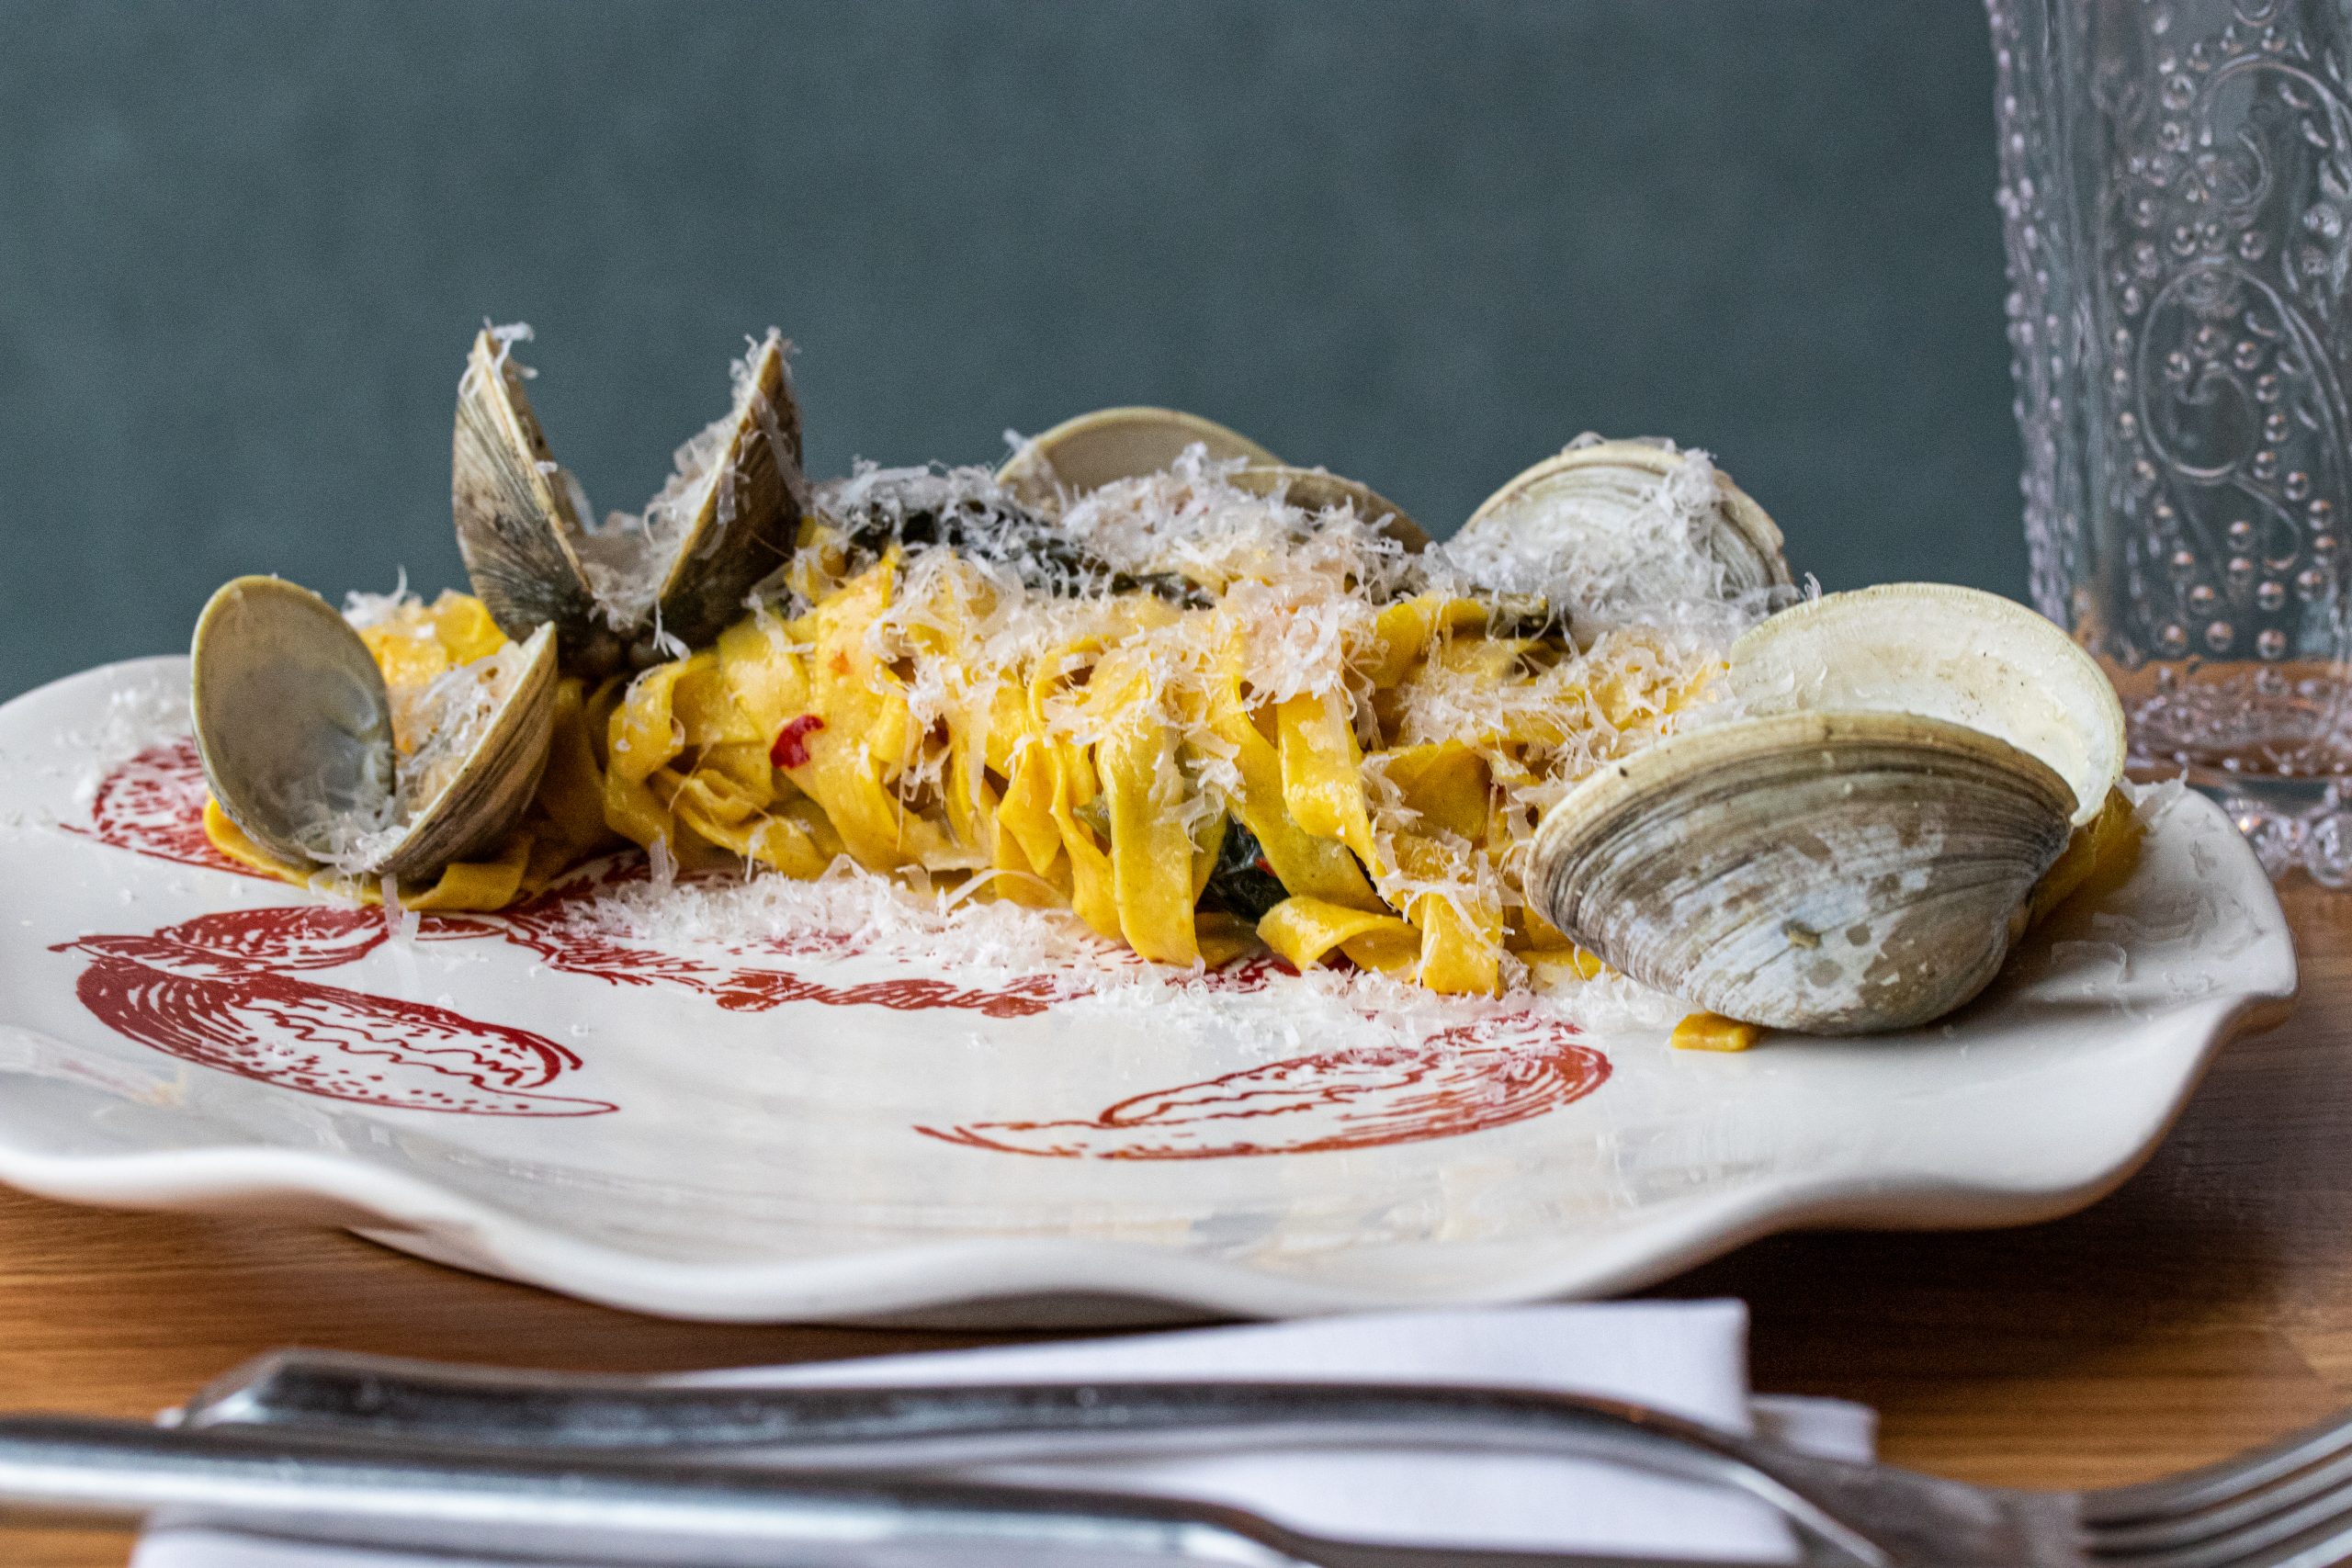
[(1297, 752)]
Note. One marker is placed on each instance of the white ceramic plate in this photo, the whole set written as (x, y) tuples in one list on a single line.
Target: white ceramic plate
[(812, 1131)]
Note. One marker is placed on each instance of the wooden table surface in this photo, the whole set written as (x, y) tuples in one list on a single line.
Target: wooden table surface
[(2205, 1307)]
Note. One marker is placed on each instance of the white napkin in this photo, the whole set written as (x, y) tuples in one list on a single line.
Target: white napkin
[(1687, 1358)]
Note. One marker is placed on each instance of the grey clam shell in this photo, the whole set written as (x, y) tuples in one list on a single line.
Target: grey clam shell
[(294, 727), (1839, 873), (1095, 449), (518, 529), (291, 717), (1855, 852), (1944, 651), (748, 521), (494, 782), (534, 560)]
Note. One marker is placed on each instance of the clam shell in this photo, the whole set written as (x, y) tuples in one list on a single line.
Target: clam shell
[(534, 561), (494, 780), (1094, 449), (1960, 654), (291, 717), (518, 526), (1569, 508), (1319, 489), (749, 518), (1839, 873), (295, 730)]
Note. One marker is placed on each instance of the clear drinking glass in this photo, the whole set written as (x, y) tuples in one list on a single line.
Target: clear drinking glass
[(2177, 193)]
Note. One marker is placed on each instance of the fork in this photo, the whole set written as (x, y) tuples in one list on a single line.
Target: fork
[(2288, 1506), (366, 1449)]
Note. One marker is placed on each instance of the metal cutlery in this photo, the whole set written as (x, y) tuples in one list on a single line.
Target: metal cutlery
[(590, 1468)]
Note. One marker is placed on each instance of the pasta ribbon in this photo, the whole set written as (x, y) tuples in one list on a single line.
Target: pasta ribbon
[(1093, 890), (1713, 1032), (760, 670), (846, 761), (566, 819), (477, 884), (1402, 633), (1225, 938), (1316, 867), (468, 885), (1460, 922), (642, 738), (1304, 931), (1323, 770), (1151, 853), (2100, 856), (415, 644), (1445, 785), (1565, 966), (1029, 840)]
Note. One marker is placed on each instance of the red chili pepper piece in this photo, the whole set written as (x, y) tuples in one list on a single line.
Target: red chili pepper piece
[(791, 747)]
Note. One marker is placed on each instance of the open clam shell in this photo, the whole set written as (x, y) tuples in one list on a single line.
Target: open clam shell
[(1834, 873), (1855, 853), (729, 517), (1595, 506), (291, 717), (1095, 449), (295, 730)]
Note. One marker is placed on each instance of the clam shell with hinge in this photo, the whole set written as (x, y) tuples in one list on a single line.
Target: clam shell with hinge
[(1856, 851), (295, 730), (1591, 505), (536, 559)]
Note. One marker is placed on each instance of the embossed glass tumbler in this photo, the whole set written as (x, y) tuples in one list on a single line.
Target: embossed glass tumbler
[(2177, 195)]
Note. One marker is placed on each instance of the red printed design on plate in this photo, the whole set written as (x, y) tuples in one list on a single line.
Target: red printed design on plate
[(1464, 1080), (153, 805), (227, 990)]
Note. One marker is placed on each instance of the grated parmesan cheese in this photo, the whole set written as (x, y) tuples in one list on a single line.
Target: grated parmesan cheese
[(902, 927)]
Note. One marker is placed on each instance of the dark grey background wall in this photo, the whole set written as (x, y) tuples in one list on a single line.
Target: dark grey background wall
[(242, 246)]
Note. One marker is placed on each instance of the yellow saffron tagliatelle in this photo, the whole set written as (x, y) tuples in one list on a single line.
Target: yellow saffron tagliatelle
[(1319, 867), (1306, 930), (1713, 1032), (1150, 852), (415, 644), (1174, 771)]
